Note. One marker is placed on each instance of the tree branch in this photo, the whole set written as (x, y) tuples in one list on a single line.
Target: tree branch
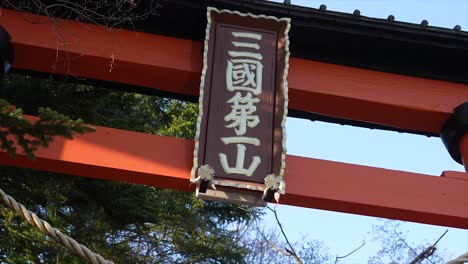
[(429, 251), (272, 245), (350, 253), (402, 240), (291, 249), (105, 12)]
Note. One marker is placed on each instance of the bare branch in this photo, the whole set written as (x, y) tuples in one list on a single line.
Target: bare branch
[(291, 249), (428, 252), (402, 240), (109, 13), (437, 241), (350, 253), (272, 245)]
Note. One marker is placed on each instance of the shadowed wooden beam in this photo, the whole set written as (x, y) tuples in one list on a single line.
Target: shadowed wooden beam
[(174, 65), (166, 162)]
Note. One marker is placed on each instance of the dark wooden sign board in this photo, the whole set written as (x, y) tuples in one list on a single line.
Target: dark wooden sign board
[(243, 101)]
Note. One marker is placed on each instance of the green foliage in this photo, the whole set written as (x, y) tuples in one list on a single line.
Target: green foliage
[(126, 223), (130, 223), (28, 135)]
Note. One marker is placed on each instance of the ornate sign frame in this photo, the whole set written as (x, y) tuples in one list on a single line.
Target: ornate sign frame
[(245, 63)]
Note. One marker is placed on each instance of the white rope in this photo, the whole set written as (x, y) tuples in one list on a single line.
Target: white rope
[(82, 250), (460, 260), (47, 229)]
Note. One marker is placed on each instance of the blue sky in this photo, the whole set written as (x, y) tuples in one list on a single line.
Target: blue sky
[(344, 232)]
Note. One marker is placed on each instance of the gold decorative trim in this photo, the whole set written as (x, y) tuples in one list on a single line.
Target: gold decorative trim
[(202, 86), (286, 97), (288, 20), (200, 99), (240, 185)]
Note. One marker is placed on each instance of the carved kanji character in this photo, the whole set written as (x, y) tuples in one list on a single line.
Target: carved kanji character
[(242, 113), (240, 157)]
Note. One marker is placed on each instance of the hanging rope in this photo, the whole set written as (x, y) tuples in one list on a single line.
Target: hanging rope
[(460, 260), (47, 229), (82, 250)]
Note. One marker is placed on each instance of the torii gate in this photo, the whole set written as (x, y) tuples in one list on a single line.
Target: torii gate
[(174, 65)]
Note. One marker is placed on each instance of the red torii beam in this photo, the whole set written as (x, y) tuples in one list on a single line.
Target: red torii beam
[(166, 162), (174, 65)]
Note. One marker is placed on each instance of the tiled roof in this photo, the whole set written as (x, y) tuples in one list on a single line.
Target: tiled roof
[(391, 19), (341, 38)]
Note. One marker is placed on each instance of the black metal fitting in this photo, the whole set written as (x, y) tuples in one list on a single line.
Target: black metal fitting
[(454, 129), (424, 23), (203, 186), (269, 195), (6, 52)]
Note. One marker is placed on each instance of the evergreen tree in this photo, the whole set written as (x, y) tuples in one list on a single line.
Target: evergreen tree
[(130, 223), (126, 223)]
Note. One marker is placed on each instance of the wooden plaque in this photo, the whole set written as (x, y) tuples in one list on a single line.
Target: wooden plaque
[(243, 98)]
